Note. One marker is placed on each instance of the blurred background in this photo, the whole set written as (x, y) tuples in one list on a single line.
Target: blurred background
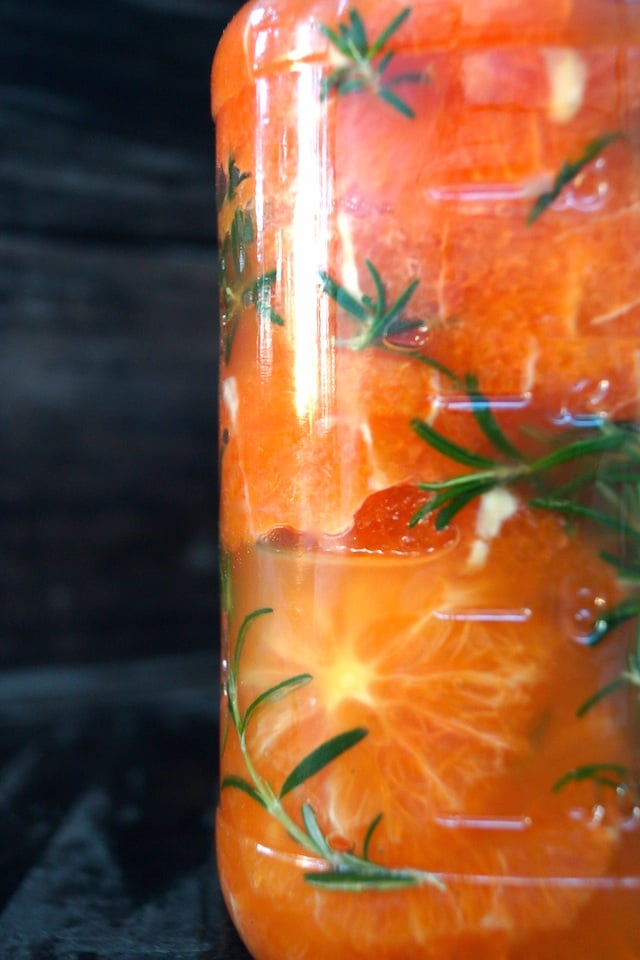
[(108, 581), (107, 319)]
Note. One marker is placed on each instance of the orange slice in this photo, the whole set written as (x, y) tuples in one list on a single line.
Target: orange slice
[(465, 679)]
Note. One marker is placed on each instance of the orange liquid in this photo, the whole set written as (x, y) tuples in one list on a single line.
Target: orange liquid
[(461, 654), (470, 711)]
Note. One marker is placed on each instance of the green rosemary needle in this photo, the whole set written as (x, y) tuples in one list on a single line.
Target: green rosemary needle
[(227, 181), (239, 287), (568, 172), (375, 318), (375, 321), (612, 775), (365, 64)]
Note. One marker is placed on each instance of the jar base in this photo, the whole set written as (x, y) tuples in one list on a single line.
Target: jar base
[(279, 915)]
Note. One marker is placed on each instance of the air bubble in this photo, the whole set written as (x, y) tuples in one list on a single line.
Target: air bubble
[(589, 191), (583, 615)]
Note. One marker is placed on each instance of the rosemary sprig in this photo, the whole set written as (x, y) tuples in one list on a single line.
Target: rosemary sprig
[(576, 446), (366, 64), (604, 458), (376, 322), (239, 287), (226, 584), (568, 172), (341, 870), (605, 462), (227, 181)]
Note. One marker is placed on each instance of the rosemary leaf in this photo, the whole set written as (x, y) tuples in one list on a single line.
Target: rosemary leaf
[(610, 619), (258, 293), (228, 181), (582, 447), (241, 235), (369, 835), (569, 508), (420, 514), (379, 305), (384, 37), (242, 636), (315, 833), (448, 447), (625, 610), (342, 297), (385, 61), (356, 881), (408, 77), (334, 81), (337, 39), (367, 63), (229, 329), (456, 492), (460, 488), (464, 482), (235, 177), (457, 503), (628, 569), (390, 97), (488, 424), (275, 693), (319, 758), (270, 314), (594, 771), (568, 172), (600, 695), (389, 318), (226, 582), (437, 366), (357, 35), (376, 322), (239, 783), (352, 85)]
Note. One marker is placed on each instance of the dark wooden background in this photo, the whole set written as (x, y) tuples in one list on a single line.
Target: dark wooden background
[(107, 331), (108, 568)]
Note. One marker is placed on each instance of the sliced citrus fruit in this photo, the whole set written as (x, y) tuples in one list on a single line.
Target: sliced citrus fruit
[(454, 660)]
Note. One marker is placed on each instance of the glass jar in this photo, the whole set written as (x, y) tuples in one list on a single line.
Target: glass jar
[(429, 235)]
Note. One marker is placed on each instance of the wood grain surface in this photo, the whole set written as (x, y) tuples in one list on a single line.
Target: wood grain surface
[(107, 330)]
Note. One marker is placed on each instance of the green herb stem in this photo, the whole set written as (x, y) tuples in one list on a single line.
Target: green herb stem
[(338, 870)]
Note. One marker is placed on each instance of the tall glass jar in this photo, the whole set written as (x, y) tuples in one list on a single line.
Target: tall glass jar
[(429, 234)]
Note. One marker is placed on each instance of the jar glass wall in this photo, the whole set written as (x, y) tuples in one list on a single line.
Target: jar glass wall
[(429, 234)]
